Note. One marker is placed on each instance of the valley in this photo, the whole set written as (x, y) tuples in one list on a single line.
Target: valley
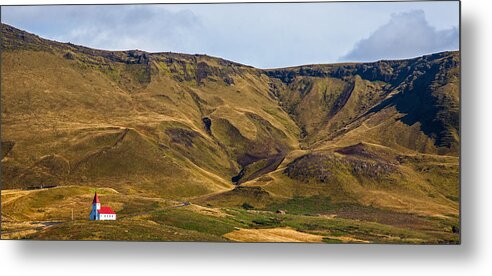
[(198, 148)]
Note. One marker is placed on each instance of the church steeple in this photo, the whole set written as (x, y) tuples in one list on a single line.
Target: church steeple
[(96, 199), (96, 204)]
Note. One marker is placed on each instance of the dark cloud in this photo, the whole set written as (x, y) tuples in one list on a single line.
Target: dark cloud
[(405, 35)]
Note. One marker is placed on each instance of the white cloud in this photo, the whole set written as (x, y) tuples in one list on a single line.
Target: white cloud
[(131, 27), (262, 35), (407, 34), (121, 27)]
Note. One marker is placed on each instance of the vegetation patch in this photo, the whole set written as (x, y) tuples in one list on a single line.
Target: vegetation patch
[(182, 136)]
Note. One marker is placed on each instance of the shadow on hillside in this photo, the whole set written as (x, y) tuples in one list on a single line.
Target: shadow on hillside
[(420, 106)]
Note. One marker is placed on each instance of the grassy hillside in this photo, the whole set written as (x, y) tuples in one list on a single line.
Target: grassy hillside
[(118, 117), (359, 150), (46, 214), (412, 104)]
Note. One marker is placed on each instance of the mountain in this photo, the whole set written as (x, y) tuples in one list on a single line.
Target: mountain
[(221, 134)]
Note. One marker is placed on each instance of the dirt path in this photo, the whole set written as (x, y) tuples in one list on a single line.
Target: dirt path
[(11, 195), (20, 229), (182, 204)]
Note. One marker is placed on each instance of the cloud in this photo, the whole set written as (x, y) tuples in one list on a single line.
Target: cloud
[(263, 35), (406, 35), (146, 27)]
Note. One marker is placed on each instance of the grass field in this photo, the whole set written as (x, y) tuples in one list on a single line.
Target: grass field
[(46, 214)]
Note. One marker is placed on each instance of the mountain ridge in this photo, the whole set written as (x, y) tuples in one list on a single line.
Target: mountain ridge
[(10, 32), (194, 126)]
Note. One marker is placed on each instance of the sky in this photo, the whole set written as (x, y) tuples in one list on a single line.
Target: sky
[(261, 35)]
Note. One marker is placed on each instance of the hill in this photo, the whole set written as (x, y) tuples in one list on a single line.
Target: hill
[(362, 140)]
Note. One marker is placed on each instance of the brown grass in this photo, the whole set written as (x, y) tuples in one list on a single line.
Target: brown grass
[(283, 234)]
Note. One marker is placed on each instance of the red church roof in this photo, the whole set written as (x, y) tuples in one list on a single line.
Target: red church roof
[(96, 199), (106, 210)]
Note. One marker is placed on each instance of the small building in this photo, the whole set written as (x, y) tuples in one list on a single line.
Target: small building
[(101, 212)]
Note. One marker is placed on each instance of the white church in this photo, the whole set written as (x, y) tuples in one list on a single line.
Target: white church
[(101, 212)]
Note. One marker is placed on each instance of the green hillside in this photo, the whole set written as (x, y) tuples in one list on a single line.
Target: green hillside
[(373, 146)]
